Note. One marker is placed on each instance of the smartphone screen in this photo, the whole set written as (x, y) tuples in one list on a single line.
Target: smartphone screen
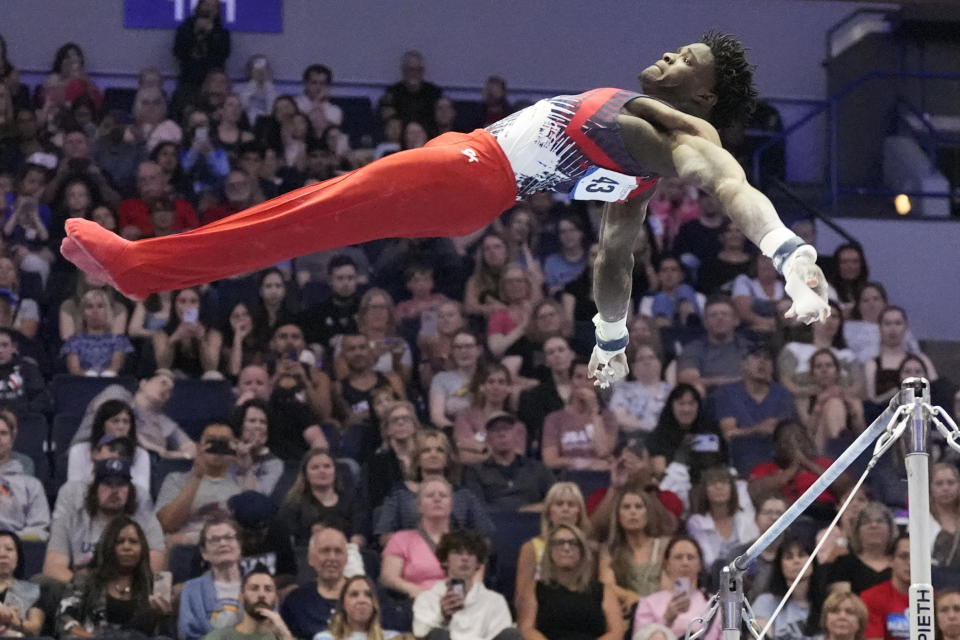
[(162, 584)]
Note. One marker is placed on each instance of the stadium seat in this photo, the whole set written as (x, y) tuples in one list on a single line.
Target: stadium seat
[(358, 118), (181, 561), (513, 528), (119, 98), (196, 403), (64, 427), (470, 115), (34, 552), (72, 394), (588, 481)]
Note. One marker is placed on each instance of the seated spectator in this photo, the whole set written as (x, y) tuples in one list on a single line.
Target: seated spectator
[(461, 607), (300, 395), (212, 601), (550, 395), (510, 323), (490, 390), (631, 468), (862, 330), (307, 610), (71, 309), (944, 513), (716, 358), (26, 311), (275, 304), (393, 461), (435, 459), (682, 435), (561, 268), (758, 296), (27, 220), (174, 181), (563, 506), (718, 522), (151, 126), (314, 102), (423, 300), (844, 616), (259, 599), (676, 304), (94, 350), (580, 436), (156, 432), (494, 98), (483, 290), (116, 153), (318, 496), (791, 622), (793, 362), (796, 466), (241, 345), (77, 197), (637, 404), (354, 393), (240, 191), (22, 388), (409, 564), (436, 341), (677, 606), (204, 158), (838, 540), (947, 614), (84, 509), (507, 480), (568, 601), (259, 92), (117, 591), (162, 217), (757, 577), (114, 419), (832, 410), (336, 316), (887, 602), (24, 509), (698, 240), (525, 357), (250, 424), (882, 372), (577, 296), (747, 411), (22, 610), (716, 274), (188, 345), (870, 557), (376, 322), (232, 129), (850, 275), (264, 541), (450, 389), (631, 562), (187, 497), (358, 614), (134, 213), (150, 315)]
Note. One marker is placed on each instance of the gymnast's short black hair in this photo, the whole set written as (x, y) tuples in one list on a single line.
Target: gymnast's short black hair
[(736, 95)]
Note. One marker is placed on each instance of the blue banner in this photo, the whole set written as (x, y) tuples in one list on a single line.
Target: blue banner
[(263, 16)]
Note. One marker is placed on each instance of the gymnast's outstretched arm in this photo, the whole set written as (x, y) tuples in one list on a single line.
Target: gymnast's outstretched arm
[(680, 145)]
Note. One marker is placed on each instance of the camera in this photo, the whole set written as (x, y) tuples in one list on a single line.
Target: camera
[(220, 446)]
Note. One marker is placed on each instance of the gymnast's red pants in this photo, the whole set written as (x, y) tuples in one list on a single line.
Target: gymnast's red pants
[(454, 185)]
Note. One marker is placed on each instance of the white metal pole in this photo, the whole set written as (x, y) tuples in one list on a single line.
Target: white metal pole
[(916, 391)]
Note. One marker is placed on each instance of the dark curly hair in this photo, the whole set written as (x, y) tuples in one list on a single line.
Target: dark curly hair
[(736, 95)]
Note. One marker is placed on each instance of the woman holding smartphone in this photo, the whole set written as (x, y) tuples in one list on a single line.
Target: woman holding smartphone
[(186, 344), (682, 600)]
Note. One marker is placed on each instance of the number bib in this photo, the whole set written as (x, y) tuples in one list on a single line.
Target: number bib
[(605, 185)]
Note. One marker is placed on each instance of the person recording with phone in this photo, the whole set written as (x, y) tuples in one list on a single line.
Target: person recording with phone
[(205, 163), (186, 344), (682, 599), (187, 497), (461, 607)]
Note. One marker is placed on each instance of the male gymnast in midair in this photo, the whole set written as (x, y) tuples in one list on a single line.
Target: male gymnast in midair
[(606, 144)]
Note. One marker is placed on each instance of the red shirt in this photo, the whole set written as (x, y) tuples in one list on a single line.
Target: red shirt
[(668, 499), (135, 212), (887, 612), (800, 483)]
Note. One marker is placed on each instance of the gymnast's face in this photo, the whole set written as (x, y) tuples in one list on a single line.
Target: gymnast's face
[(681, 75)]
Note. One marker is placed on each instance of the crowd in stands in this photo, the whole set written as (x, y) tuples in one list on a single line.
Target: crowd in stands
[(400, 438)]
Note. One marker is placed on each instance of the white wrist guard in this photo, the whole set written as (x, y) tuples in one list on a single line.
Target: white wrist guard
[(780, 245), (612, 337)]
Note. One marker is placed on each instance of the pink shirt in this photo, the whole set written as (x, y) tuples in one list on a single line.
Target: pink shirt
[(650, 610), (420, 565), (501, 322)]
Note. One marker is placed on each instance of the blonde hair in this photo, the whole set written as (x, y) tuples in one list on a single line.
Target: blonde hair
[(364, 308), (832, 605), (452, 470), (339, 625), (584, 572), (557, 491), (108, 303)]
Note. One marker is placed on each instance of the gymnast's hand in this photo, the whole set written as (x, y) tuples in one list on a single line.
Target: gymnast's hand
[(806, 286), (606, 368)]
